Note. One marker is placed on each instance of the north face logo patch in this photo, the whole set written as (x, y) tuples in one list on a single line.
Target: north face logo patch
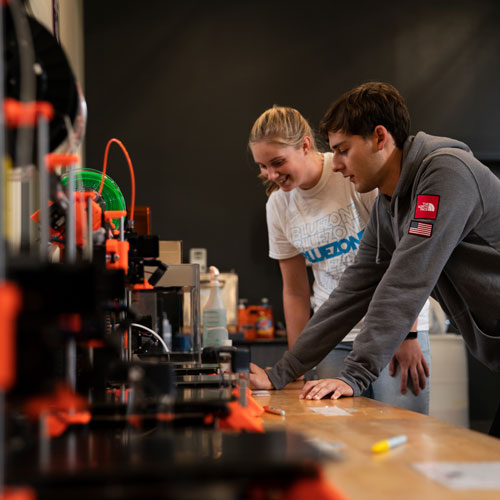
[(427, 206)]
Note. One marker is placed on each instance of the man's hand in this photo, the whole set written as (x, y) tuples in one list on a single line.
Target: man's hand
[(412, 361), (259, 378), (316, 389)]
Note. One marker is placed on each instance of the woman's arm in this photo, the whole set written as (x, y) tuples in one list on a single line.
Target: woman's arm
[(296, 305), (296, 296)]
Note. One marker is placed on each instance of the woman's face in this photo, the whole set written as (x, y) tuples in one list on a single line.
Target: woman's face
[(283, 165)]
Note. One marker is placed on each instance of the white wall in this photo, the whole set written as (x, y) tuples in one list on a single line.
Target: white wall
[(70, 29)]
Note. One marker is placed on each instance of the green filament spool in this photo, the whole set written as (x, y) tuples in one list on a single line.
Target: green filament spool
[(88, 180)]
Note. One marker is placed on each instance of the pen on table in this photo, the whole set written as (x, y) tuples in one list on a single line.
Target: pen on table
[(276, 411), (387, 444)]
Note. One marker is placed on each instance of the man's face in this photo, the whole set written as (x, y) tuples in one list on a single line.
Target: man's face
[(357, 158)]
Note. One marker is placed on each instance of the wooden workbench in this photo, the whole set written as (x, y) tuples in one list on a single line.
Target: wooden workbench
[(363, 475)]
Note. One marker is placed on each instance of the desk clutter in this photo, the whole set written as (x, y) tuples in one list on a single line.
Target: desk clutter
[(112, 383)]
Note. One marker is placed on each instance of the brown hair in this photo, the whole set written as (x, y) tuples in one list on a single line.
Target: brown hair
[(284, 126), (361, 109)]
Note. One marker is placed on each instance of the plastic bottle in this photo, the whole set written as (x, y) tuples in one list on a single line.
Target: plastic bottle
[(214, 314), (167, 332), (242, 314), (265, 321)]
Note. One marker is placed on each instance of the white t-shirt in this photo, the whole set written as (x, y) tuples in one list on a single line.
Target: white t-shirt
[(324, 224)]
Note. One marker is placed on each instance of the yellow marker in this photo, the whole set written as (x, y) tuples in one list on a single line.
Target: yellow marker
[(387, 444)]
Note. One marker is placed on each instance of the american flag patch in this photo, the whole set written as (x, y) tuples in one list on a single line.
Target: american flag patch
[(420, 228)]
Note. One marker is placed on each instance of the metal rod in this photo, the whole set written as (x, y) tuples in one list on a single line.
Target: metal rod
[(129, 329), (23, 152), (122, 231), (25, 206), (70, 219), (44, 440), (123, 393), (71, 455), (195, 311), (43, 184), (91, 366), (89, 246), (71, 362), (27, 87), (32, 206)]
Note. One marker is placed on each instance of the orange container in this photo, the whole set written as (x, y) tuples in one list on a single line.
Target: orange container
[(256, 321), (247, 319)]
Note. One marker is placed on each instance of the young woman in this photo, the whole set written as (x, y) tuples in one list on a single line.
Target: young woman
[(315, 216)]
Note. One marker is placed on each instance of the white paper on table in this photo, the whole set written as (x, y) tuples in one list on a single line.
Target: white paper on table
[(463, 475), (330, 411)]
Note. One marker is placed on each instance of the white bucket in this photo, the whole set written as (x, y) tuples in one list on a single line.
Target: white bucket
[(449, 394)]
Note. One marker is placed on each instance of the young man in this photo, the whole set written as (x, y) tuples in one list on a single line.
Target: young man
[(315, 214), (434, 230)]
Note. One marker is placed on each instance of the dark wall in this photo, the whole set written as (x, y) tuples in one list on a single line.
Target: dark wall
[(181, 83)]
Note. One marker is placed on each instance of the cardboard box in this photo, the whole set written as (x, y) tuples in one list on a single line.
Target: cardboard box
[(171, 252)]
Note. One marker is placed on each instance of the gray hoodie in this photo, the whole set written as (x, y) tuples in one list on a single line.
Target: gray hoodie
[(438, 235)]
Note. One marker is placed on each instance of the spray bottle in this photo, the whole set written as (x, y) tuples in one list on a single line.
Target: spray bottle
[(214, 314)]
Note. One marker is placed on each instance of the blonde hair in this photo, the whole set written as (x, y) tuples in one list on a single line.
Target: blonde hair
[(284, 126)]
